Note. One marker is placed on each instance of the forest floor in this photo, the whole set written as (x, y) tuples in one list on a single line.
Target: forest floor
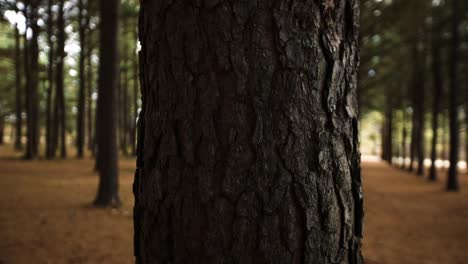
[(46, 217)]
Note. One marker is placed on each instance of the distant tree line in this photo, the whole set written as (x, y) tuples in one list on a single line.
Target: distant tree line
[(56, 54), (413, 64)]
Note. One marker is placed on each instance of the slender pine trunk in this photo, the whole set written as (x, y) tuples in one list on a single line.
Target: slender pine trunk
[(107, 194), (18, 92), (437, 94), (50, 77), (60, 80), (452, 180), (80, 117)]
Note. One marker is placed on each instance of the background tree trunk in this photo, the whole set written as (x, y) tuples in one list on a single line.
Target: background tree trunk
[(404, 135), (2, 130), (420, 108), (135, 99), (388, 130), (248, 145), (32, 60), (50, 77), (59, 81), (90, 90), (107, 194), (452, 181), (80, 117), (437, 87), (18, 92)]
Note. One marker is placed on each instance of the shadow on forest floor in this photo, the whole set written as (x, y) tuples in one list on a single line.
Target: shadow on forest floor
[(45, 215)]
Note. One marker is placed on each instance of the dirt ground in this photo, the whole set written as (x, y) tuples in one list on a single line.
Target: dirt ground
[(45, 215)]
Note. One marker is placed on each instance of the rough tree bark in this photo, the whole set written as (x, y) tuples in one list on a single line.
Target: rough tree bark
[(107, 194), (18, 92), (248, 137), (452, 180)]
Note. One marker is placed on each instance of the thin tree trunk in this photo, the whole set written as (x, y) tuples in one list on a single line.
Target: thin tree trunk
[(452, 180), (404, 134), (248, 137), (80, 117), (107, 194), (437, 86), (412, 142), (388, 133), (135, 100), (2, 130), (120, 110), (59, 81), (89, 111), (32, 66), (35, 77), (18, 93), (124, 89), (27, 75), (420, 111), (444, 153), (50, 77)]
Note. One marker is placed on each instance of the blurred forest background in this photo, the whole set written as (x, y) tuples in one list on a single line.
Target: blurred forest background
[(413, 101)]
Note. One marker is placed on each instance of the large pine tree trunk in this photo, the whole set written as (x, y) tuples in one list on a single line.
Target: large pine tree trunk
[(106, 160), (18, 92), (452, 181), (248, 137)]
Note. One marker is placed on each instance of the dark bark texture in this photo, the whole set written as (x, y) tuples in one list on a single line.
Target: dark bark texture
[(248, 140)]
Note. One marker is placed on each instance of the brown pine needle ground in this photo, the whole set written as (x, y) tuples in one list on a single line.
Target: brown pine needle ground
[(45, 215)]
